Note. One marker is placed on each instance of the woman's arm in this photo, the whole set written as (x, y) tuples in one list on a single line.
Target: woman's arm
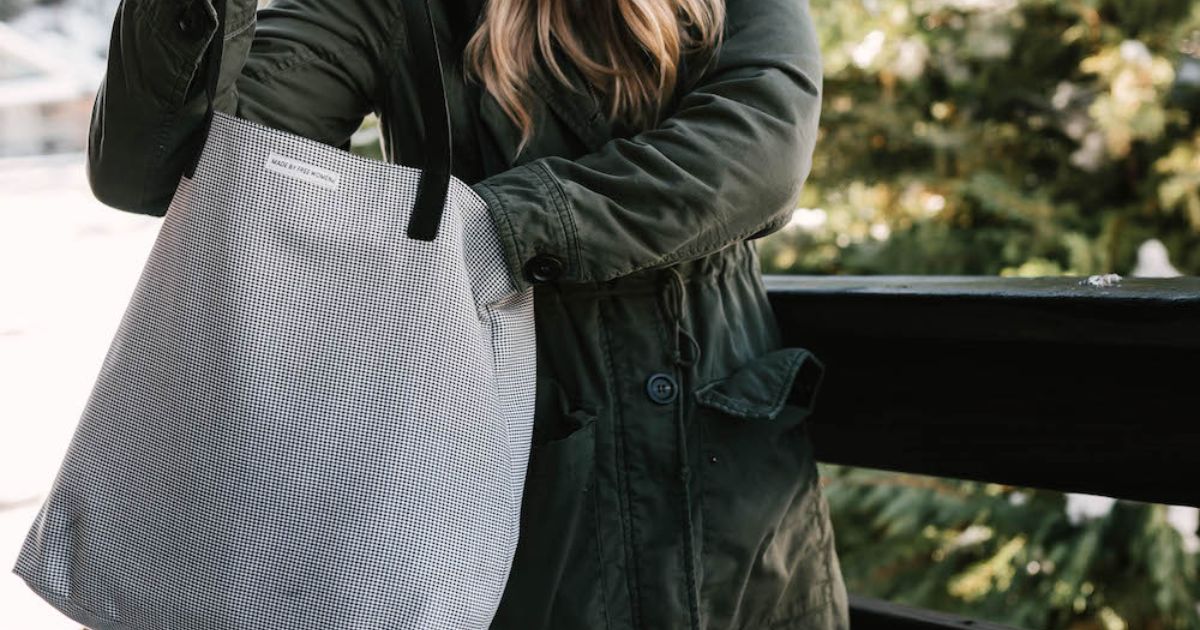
[(728, 164), (308, 66)]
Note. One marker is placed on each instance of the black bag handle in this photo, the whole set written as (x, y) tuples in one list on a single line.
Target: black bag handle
[(435, 112), (435, 175)]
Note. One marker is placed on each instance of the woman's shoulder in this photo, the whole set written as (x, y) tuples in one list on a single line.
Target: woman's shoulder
[(344, 20)]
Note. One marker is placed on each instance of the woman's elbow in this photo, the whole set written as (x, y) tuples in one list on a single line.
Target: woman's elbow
[(791, 156), (127, 167), (117, 184), (782, 136)]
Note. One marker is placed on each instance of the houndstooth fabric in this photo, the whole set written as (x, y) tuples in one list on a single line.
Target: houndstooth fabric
[(306, 419)]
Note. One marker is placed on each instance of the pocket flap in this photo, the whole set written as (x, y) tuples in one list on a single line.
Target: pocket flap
[(760, 388)]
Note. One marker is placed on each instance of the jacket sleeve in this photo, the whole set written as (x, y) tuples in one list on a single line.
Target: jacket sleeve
[(305, 66), (727, 164)]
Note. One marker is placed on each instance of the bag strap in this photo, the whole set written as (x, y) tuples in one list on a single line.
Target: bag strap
[(431, 91), (434, 184)]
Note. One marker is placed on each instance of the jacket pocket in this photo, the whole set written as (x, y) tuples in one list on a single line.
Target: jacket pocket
[(761, 389), (555, 578), (767, 549)]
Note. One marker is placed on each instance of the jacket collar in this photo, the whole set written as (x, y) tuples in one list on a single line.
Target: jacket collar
[(578, 106), (578, 109)]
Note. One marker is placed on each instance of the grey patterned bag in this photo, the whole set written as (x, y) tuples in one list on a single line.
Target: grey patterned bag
[(317, 408)]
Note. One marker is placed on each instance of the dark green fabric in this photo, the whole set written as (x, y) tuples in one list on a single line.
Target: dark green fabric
[(701, 513)]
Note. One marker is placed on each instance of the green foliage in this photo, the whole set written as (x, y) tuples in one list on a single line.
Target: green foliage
[(1027, 137), (1019, 137), (366, 141)]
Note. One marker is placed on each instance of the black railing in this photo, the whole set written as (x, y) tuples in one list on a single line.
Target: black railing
[(1048, 383)]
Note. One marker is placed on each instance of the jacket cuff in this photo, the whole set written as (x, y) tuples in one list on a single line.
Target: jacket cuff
[(535, 224)]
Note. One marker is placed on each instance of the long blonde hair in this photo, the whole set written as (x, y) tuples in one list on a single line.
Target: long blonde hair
[(628, 50)]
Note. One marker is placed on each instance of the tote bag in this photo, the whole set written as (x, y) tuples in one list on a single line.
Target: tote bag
[(317, 407)]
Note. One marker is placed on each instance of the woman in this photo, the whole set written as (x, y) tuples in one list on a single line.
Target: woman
[(629, 152)]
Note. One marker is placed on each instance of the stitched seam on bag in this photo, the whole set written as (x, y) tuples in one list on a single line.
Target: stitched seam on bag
[(72, 603), (514, 502)]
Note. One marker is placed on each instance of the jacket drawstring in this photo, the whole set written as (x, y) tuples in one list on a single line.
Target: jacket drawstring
[(684, 355), (676, 308)]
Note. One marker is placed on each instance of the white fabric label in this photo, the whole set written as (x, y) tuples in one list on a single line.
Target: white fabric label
[(302, 171)]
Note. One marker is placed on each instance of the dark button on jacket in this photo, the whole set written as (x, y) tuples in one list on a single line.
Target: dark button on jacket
[(543, 268), (662, 388), (626, 522)]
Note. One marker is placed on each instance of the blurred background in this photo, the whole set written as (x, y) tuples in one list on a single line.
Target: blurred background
[(976, 137)]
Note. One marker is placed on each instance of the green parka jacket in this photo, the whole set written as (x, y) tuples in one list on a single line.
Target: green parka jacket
[(671, 480)]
